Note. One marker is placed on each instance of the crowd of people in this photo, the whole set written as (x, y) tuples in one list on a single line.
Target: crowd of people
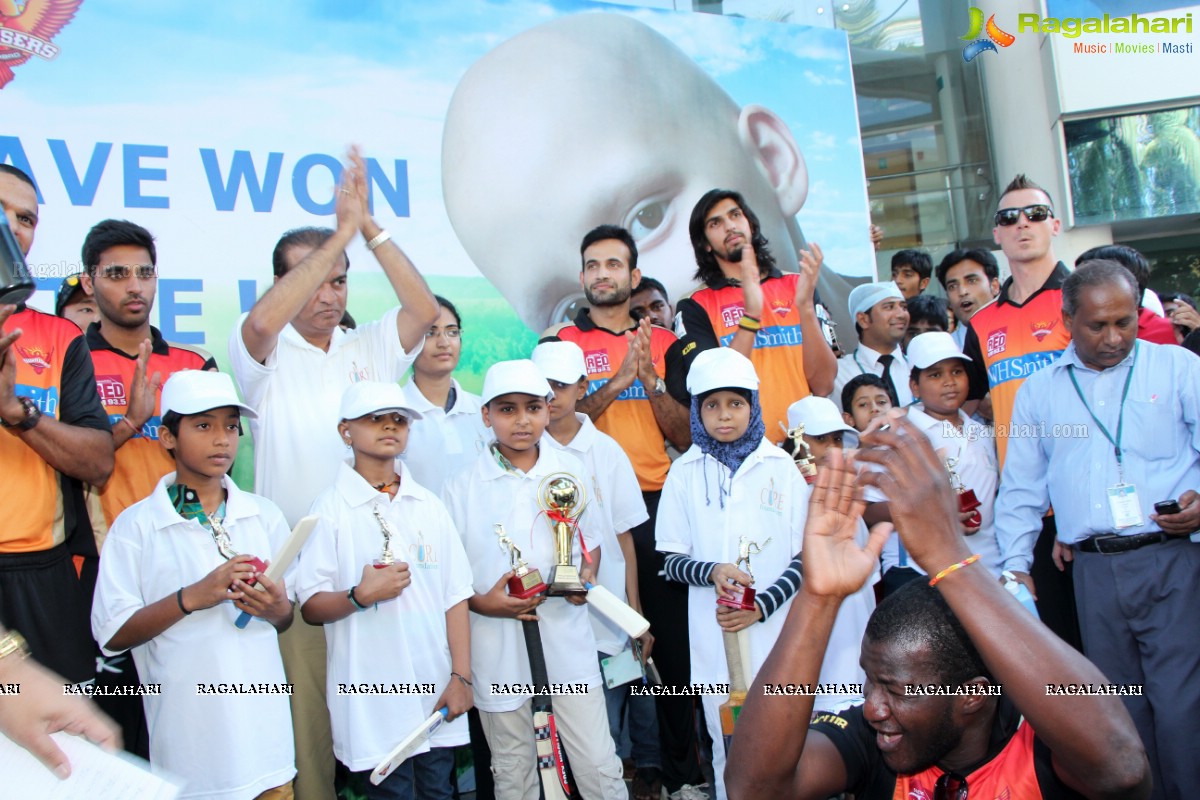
[(718, 466)]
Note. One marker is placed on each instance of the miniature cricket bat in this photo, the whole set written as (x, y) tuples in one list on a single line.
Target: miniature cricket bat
[(409, 744), (284, 558), (611, 608), (737, 654), (551, 768)]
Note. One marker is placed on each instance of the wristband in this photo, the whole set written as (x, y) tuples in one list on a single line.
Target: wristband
[(379, 239), (179, 598), (353, 599), (136, 431), (466, 682), (966, 562), (13, 643), (749, 324)]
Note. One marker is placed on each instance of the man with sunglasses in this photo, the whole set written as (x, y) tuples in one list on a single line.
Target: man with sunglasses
[(961, 698), (51, 425), (131, 360), (1015, 336)]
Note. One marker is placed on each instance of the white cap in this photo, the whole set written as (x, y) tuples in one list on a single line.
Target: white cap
[(929, 348), (371, 397), (560, 361), (820, 416), (721, 368), (194, 391), (865, 296), (521, 376)]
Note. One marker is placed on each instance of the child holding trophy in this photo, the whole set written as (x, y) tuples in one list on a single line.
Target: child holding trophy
[(387, 576), (177, 572), (532, 495)]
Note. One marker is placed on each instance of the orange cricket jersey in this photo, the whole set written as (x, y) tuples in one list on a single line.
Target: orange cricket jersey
[(1016, 341), (629, 419), (141, 461), (778, 354), (1011, 774)]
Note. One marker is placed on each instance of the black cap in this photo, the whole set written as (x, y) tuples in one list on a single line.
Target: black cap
[(66, 291)]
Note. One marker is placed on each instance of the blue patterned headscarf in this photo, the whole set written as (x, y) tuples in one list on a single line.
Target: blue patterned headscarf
[(731, 454)]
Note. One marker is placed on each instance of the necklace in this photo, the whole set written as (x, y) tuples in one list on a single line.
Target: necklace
[(384, 487)]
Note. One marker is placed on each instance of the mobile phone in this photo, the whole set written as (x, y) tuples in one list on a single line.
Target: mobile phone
[(1167, 507)]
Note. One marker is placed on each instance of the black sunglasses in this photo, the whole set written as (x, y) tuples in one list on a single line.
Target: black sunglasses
[(950, 786), (1038, 212)]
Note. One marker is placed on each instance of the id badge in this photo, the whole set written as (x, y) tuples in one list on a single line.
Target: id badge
[(1124, 506)]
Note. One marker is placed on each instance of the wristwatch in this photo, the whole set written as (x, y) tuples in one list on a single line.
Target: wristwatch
[(660, 387), (13, 642), (33, 415)]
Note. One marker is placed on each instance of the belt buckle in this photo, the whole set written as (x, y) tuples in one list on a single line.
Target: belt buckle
[(1100, 542)]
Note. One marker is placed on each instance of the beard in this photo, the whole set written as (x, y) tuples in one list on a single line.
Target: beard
[(938, 741), (608, 297), (735, 255)]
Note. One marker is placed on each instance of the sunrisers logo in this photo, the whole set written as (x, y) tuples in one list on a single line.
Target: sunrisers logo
[(27, 28), (995, 35)]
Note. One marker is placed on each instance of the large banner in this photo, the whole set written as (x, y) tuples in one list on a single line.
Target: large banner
[(497, 135)]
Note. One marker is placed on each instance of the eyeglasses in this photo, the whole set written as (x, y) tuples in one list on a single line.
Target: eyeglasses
[(121, 272), (950, 786), (450, 332), (1039, 212)]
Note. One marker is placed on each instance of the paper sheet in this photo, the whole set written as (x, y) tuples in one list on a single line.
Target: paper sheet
[(95, 774)]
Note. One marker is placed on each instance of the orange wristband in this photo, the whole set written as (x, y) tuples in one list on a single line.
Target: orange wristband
[(966, 562)]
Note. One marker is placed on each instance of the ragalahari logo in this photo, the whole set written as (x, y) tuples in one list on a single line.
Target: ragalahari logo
[(27, 28), (995, 36)]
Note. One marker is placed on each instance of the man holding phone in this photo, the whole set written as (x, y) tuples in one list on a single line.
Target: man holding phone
[(1109, 434)]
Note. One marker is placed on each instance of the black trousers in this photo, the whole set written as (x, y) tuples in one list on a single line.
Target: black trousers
[(665, 604), (41, 598), (1055, 590)]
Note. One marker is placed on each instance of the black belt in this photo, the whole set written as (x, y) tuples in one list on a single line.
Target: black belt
[(1112, 543)]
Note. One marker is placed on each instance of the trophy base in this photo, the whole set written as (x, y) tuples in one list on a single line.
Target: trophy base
[(743, 598), (526, 586), (565, 582), (967, 501), (260, 567)]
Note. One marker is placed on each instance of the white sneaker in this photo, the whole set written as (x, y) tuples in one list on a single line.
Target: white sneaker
[(690, 792)]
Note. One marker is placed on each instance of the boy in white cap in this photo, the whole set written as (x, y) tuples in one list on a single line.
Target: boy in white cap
[(500, 495), (616, 507), (176, 574), (939, 382), (881, 320), (731, 493), (387, 576)]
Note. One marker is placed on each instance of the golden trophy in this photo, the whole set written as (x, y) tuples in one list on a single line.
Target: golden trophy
[(561, 498), (967, 501), (801, 453), (526, 581), (743, 596)]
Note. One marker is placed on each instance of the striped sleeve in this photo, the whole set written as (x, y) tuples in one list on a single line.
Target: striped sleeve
[(770, 599), (682, 569)]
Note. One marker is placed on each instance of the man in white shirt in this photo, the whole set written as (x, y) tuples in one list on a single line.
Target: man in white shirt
[(292, 362), (881, 320)]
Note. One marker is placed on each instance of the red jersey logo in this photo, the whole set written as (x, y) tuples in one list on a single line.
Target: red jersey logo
[(1041, 330), (781, 308), (596, 361), (731, 314), (112, 391), (36, 357), (26, 29), (997, 340)]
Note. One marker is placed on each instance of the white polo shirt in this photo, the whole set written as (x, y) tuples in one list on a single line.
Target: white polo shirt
[(616, 499), (297, 392), (768, 500), (863, 360), (395, 646), (443, 442), (975, 448), (151, 551), (478, 498)]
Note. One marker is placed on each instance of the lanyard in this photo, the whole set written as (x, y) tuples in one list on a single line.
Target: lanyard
[(1116, 443)]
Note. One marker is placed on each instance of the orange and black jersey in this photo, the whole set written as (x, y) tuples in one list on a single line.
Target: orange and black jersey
[(141, 461), (54, 369), (1008, 342), (710, 316), (1017, 764), (629, 418)]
